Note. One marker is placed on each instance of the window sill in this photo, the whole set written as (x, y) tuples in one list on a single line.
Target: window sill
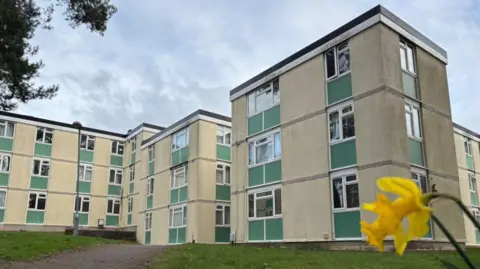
[(176, 188), (223, 226), (339, 210), (115, 154), (266, 218), (260, 164), (175, 150), (114, 184), (260, 112), (43, 143), (4, 172), (89, 150), (339, 76), (339, 141), (6, 137), (176, 227), (36, 210), (33, 175)]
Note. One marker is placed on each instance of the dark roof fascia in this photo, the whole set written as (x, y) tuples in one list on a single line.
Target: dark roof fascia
[(466, 130)]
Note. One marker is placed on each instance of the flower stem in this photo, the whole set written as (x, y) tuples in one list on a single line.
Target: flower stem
[(454, 242), (459, 203)]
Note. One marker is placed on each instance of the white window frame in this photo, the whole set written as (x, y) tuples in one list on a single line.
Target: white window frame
[(178, 208), (264, 88), (343, 174), (176, 171), (336, 51), (185, 131), (7, 124), (410, 106), (118, 171), (114, 201), (130, 205), (223, 168), (476, 214), (270, 137), (223, 131), (255, 192), (2, 155), (472, 182), (88, 138), (38, 193), (42, 163), (85, 168), (338, 108), (420, 172), (117, 144), (151, 153), (468, 146), (6, 198), (405, 46), (82, 199), (134, 144), (45, 131), (221, 208), (150, 186), (132, 173), (148, 221)]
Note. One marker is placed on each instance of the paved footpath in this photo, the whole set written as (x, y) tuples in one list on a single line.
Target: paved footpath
[(104, 257)]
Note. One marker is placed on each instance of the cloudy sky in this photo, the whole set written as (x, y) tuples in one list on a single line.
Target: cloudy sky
[(161, 60)]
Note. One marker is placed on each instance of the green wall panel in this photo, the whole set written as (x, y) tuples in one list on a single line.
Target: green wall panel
[(223, 152), (347, 224), (474, 198), (83, 218), (2, 215), (86, 156), (415, 151), (183, 194), (271, 117), (111, 220), (273, 171), (133, 157), (149, 201), (114, 190), (85, 186), (182, 235), (180, 156), (129, 219), (151, 168), (255, 176), (470, 163), (4, 179), (256, 229), (172, 235), (409, 85), (148, 234), (274, 229), (343, 154), (222, 234), (35, 217), (339, 89), (174, 196), (222, 192), (6, 144), (131, 187), (40, 183), (116, 160), (255, 124), (43, 149)]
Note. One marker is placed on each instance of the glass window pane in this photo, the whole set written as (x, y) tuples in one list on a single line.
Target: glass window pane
[(2, 130), (276, 93), (41, 203), (219, 176), (251, 209), (330, 62), (3, 195), (416, 124), (119, 178), (88, 175), (227, 215), (227, 174), (184, 215), (403, 58), (423, 184), (116, 208), (120, 149), (111, 179), (278, 201), (337, 189), (353, 200), (77, 204), (263, 152), (351, 178), (10, 128), (263, 100), (348, 126), (251, 153), (277, 145), (109, 206), (83, 142), (85, 206), (40, 134), (219, 217), (343, 61), (32, 201), (6, 163), (408, 119), (411, 63), (177, 219), (220, 136), (91, 144), (114, 146), (228, 138), (251, 104), (48, 137), (264, 207), (334, 126), (45, 169), (36, 167)]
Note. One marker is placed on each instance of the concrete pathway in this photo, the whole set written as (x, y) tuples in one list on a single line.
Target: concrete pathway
[(105, 257)]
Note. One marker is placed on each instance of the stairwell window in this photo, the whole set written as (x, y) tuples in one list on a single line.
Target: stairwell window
[(265, 204), (180, 139), (222, 215), (179, 177), (148, 221), (178, 217), (265, 149), (407, 57), (117, 147), (150, 186), (5, 162), (87, 142), (41, 168), (132, 173), (468, 146), (224, 136), (337, 61), (6, 129), (264, 97), (472, 182), (151, 153), (412, 117), (223, 174), (345, 192), (342, 123), (44, 135)]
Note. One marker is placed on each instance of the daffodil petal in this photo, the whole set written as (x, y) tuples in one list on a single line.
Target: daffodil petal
[(375, 236), (400, 186), (418, 224), (370, 207), (400, 241)]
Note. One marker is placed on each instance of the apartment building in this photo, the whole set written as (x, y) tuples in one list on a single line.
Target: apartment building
[(311, 134)]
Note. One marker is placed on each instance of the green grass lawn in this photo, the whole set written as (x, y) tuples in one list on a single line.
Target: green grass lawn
[(224, 256), (16, 246)]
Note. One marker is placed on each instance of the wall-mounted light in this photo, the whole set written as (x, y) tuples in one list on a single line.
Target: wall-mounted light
[(100, 223)]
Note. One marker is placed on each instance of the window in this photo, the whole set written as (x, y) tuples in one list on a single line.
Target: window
[(265, 204), (37, 201), (87, 142), (223, 174), (115, 176), (412, 118), (342, 123), (130, 205), (5, 163), (6, 128), (407, 57), (345, 192), (264, 98), (178, 217), (180, 139), (264, 149), (476, 214), (113, 206), (224, 136), (150, 186), (134, 144), (41, 167), (337, 60), (151, 153), (468, 146), (222, 215), (472, 182), (132, 173), (82, 204), (117, 147), (421, 180), (3, 198), (44, 135), (85, 172), (179, 177), (148, 221)]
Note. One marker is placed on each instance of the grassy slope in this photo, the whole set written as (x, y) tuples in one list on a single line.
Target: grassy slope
[(15, 246), (224, 256)]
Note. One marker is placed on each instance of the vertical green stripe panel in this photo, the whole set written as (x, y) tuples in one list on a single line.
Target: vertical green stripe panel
[(474, 198), (147, 237), (129, 219), (172, 235), (174, 196), (470, 162), (83, 218), (6, 144), (114, 190), (43, 150), (223, 152), (477, 236), (133, 156), (343, 154), (149, 201), (222, 192), (40, 183), (255, 175), (339, 89), (255, 124), (182, 235), (85, 187), (111, 220), (409, 85), (256, 230), (151, 168), (222, 234), (183, 194), (274, 229), (2, 215), (184, 154), (116, 160), (347, 224), (175, 157), (271, 117), (35, 217), (131, 187), (415, 151), (273, 171), (429, 234), (4, 179), (86, 156)]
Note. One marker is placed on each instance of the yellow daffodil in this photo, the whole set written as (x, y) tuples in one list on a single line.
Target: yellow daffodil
[(410, 204)]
